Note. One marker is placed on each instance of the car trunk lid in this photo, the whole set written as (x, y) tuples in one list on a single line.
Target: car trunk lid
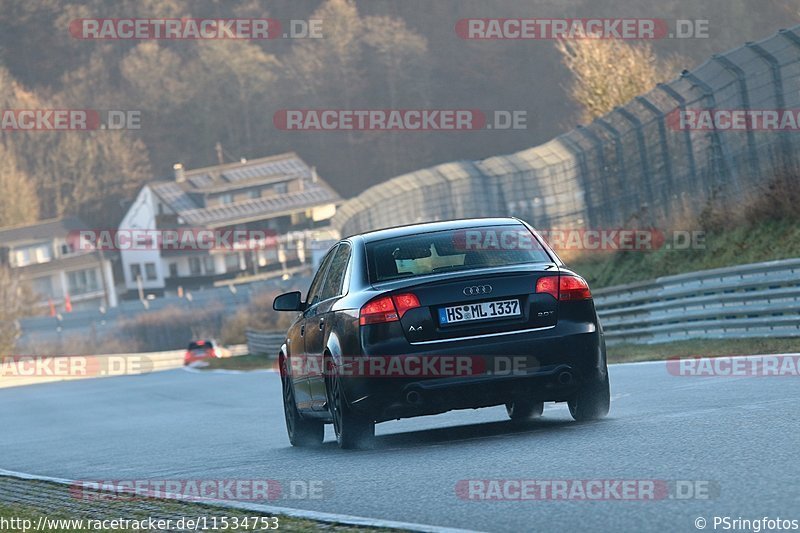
[(477, 303)]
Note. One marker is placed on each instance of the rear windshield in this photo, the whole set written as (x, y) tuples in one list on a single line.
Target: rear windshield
[(200, 345), (451, 251)]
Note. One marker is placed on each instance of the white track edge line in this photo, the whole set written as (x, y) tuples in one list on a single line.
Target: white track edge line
[(332, 518)]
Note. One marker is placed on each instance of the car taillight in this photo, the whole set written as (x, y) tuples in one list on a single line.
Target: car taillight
[(187, 356), (564, 288), (212, 353), (573, 288), (387, 308), (404, 302), (378, 311), (548, 285)]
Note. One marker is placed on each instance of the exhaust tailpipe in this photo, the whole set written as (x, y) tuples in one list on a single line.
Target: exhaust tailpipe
[(565, 378)]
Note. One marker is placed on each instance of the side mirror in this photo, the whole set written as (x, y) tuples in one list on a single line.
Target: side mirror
[(290, 301)]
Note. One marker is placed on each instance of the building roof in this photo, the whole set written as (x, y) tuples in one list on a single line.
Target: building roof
[(68, 263), (182, 196), (40, 231)]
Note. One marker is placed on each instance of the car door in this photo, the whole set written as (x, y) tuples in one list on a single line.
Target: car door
[(319, 325), (301, 368)]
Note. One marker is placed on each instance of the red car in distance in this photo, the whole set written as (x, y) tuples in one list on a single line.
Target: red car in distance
[(202, 350)]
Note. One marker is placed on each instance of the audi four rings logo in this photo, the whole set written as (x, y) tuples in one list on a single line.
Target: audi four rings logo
[(477, 289)]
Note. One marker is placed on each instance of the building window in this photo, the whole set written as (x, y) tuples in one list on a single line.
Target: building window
[(43, 254), (22, 257), (42, 286), (208, 264), (150, 271), (280, 188), (255, 194), (225, 199), (232, 263), (136, 271), (173, 270), (82, 281), (194, 266)]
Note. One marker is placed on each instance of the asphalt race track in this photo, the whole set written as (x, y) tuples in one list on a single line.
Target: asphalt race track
[(738, 436)]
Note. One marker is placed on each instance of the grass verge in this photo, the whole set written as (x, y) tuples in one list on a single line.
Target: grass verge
[(750, 243), (628, 353)]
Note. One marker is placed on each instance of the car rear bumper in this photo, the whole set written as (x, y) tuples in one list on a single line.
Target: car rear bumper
[(549, 365)]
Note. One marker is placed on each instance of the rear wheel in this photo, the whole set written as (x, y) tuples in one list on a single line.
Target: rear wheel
[(591, 402), (351, 429), (523, 408), (301, 432)]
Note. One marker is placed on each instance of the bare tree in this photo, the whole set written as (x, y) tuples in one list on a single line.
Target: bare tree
[(15, 302), (609, 72), (18, 201)]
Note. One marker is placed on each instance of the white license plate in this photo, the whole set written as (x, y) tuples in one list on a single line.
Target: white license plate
[(479, 311)]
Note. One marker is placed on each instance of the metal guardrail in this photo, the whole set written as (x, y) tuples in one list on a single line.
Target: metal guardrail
[(264, 342), (756, 300)]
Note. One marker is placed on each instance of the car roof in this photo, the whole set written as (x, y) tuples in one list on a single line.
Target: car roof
[(412, 229)]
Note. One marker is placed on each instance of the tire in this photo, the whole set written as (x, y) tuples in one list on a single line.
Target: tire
[(352, 430), (524, 408), (591, 402), (302, 432)]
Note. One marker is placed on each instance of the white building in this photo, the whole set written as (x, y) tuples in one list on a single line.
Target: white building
[(279, 195), (47, 257)]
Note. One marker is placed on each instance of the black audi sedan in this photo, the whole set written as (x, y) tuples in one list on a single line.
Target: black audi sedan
[(427, 318)]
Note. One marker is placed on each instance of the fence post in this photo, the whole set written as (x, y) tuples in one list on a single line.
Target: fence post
[(619, 152), (601, 156), (577, 151), (662, 132), (790, 36), (741, 78), (687, 135), (777, 80), (646, 172), (717, 144)]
